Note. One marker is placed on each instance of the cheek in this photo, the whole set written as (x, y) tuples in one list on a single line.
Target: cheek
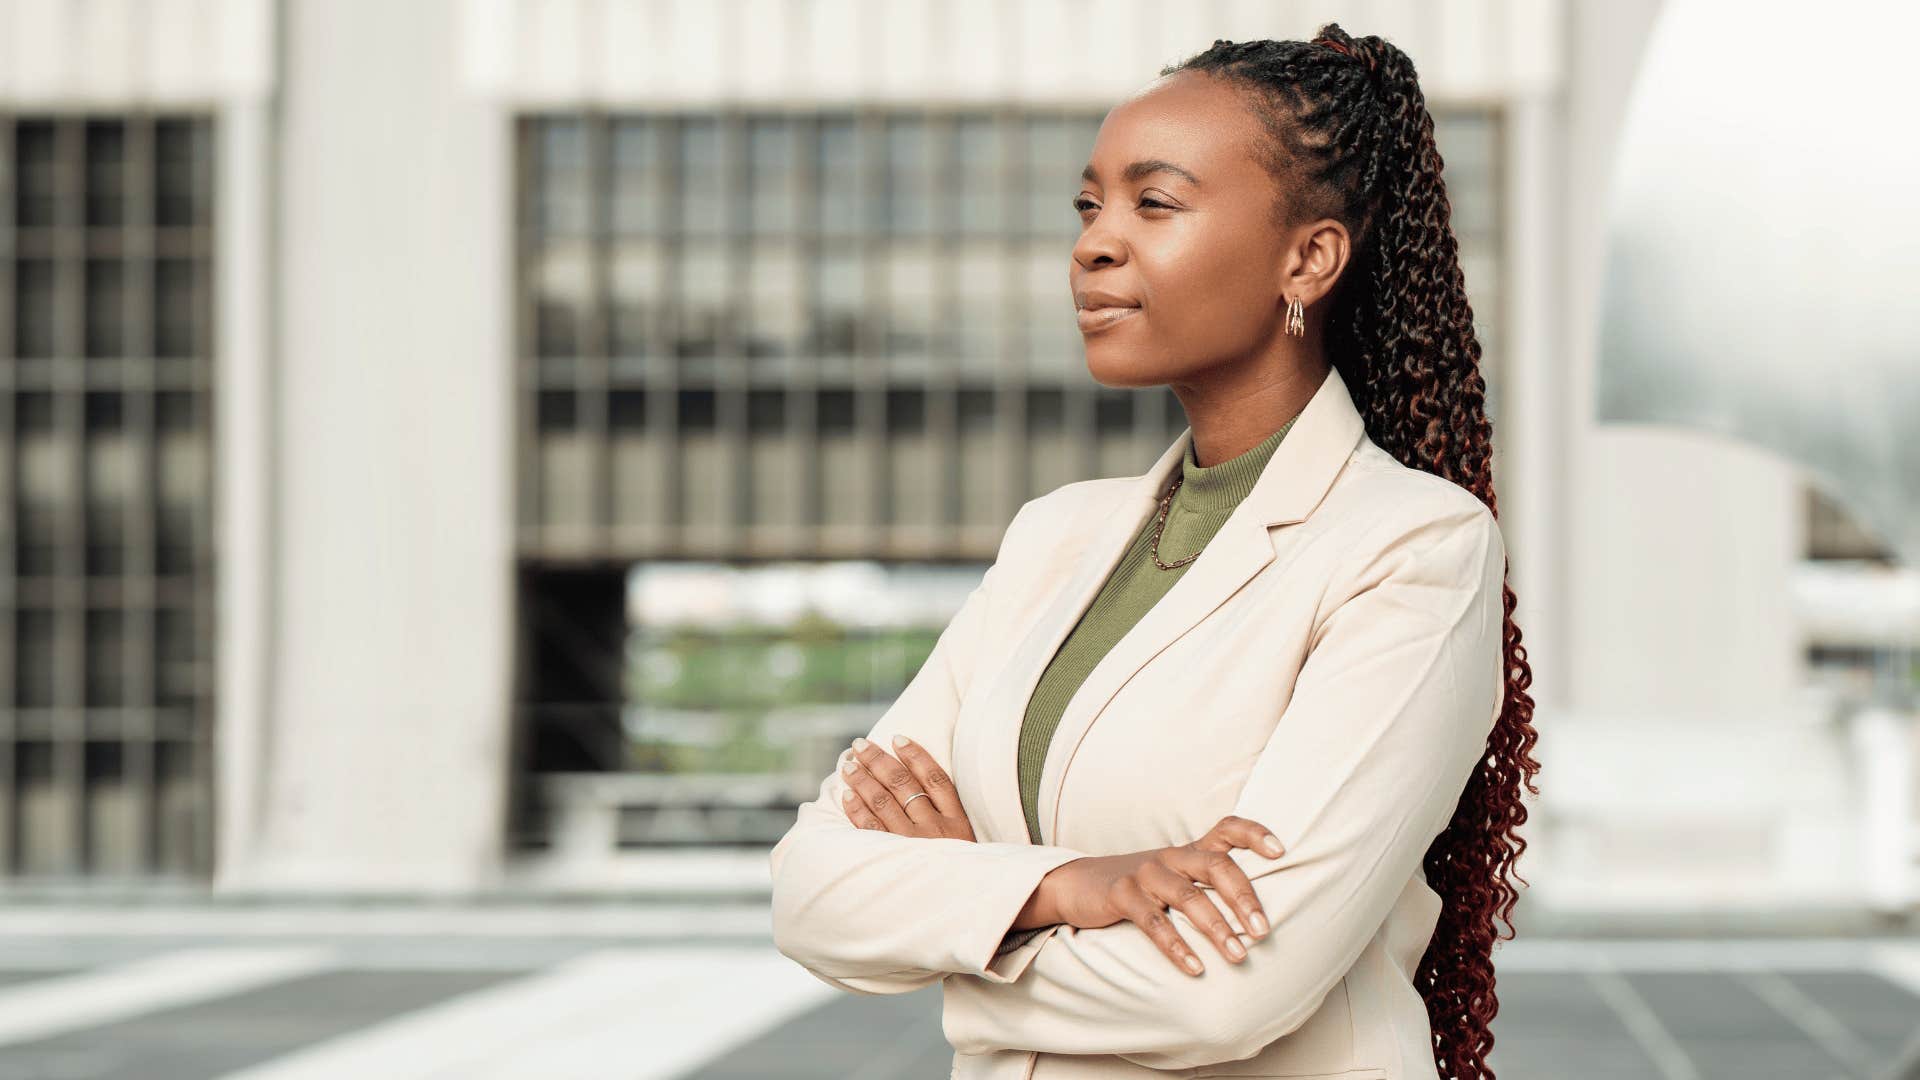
[(1209, 290)]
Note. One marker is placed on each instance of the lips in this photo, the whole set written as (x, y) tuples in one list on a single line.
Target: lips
[(1099, 318)]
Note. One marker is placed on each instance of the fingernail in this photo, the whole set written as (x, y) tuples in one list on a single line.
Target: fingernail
[(900, 740), (1259, 923), (859, 743), (1273, 846), (846, 796), (1235, 949), (850, 767), (1193, 964)]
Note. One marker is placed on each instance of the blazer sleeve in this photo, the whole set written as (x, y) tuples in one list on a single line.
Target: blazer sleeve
[(1389, 718), (878, 913)]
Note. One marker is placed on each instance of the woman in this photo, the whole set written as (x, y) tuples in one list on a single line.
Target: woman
[(1269, 694)]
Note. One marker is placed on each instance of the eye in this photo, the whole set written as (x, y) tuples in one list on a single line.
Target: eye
[(1084, 205)]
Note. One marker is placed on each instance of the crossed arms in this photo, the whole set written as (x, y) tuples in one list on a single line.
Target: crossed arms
[(1387, 722)]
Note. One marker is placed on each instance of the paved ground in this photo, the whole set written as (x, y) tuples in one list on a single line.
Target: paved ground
[(699, 993)]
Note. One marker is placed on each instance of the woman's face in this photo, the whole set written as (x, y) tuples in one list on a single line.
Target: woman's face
[(1176, 230)]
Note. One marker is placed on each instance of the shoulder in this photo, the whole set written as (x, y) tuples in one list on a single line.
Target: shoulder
[(1059, 513), (1377, 504)]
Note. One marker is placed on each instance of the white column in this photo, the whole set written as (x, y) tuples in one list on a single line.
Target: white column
[(385, 761)]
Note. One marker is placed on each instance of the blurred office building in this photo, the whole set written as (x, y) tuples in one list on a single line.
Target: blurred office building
[(479, 445)]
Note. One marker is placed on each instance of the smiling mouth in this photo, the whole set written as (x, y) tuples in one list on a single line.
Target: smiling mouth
[(1100, 318)]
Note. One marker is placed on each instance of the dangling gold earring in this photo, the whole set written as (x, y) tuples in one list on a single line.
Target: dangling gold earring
[(1296, 317)]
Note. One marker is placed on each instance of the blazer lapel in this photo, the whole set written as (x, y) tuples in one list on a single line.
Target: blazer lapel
[(1292, 483), (1015, 681)]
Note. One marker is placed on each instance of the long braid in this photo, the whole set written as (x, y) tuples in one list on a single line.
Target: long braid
[(1352, 139)]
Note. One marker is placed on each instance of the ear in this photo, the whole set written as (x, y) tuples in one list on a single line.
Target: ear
[(1318, 254)]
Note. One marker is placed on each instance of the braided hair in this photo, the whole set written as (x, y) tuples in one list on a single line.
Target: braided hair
[(1351, 139)]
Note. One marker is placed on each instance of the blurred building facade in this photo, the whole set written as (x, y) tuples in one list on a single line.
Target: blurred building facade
[(357, 353)]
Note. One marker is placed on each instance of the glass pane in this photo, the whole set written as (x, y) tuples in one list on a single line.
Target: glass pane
[(772, 159), (637, 281), (106, 307), (176, 299), (910, 301), (774, 314), (836, 162), (561, 181), (106, 679), (109, 468), (977, 202), (1053, 337), (33, 327), (560, 284), (1057, 148), (182, 155), (837, 295), (182, 476), (978, 325), (638, 185), (40, 482), (909, 196), (703, 183), (106, 174), (35, 181), (703, 300)]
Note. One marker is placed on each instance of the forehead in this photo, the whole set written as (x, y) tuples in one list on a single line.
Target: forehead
[(1190, 119)]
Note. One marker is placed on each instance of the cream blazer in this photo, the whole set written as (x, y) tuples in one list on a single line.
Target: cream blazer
[(1330, 667)]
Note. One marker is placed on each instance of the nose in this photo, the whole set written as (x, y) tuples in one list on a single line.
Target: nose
[(1098, 247)]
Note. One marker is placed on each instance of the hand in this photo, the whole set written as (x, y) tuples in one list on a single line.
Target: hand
[(1102, 890), (882, 791)]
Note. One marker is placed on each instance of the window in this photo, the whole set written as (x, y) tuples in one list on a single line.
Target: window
[(105, 466)]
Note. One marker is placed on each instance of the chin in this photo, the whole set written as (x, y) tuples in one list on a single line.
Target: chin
[(1121, 367)]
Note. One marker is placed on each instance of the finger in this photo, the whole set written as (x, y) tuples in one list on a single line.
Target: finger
[(1232, 883), (1175, 888), (1217, 868), (878, 798), (900, 782), (857, 812), (933, 779), (1234, 831), (1146, 913)]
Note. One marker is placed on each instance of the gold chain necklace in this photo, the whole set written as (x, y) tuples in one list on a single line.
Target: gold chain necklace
[(1161, 525)]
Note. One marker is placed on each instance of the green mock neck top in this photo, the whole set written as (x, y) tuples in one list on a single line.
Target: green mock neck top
[(1207, 496)]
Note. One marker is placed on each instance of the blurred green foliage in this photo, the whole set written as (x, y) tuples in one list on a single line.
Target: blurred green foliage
[(718, 686)]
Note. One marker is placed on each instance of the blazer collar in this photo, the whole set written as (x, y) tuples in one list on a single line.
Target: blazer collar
[(1291, 485), (1295, 478)]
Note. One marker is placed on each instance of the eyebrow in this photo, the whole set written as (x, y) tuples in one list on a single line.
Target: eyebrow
[(1139, 170)]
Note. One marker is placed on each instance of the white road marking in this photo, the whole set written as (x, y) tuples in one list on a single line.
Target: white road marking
[(1899, 964), (1813, 1019), (58, 1004), (1643, 1024), (634, 1013)]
